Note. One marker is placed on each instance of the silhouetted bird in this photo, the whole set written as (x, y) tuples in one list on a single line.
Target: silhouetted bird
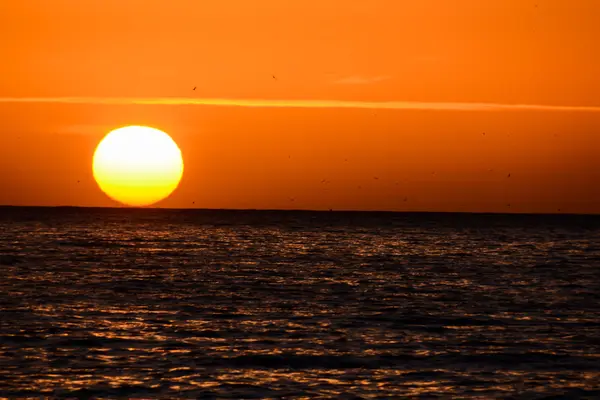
[(274, 77), (508, 176), (194, 88), (406, 199)]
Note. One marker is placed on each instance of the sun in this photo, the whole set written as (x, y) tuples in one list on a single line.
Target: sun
[(137, 165)]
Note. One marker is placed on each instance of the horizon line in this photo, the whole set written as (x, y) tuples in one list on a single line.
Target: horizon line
[(317, 104), (304, 210)]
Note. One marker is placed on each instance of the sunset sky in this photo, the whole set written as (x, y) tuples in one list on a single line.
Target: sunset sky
[(422, 105)]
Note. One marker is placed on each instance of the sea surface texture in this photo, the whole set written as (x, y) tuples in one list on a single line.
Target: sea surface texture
[(132, 303)]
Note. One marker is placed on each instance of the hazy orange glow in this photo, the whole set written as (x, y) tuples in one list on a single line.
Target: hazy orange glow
[(317, 104), (137, 165)]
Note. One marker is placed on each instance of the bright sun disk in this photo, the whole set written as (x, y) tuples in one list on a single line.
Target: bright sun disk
[(137, 165)]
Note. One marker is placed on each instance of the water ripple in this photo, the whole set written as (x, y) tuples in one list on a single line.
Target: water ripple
[(131, 303)]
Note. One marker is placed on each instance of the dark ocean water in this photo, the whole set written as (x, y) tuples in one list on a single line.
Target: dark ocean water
[(222, 304)]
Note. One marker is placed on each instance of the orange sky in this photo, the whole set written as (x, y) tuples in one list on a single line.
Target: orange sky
[(431, 51)]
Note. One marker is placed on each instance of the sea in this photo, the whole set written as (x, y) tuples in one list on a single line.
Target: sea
[(161, 303)]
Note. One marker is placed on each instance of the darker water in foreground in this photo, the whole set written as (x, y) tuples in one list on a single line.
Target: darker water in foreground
[(225, 304)]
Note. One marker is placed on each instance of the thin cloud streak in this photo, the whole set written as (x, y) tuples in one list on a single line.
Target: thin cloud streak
[(259, 103)]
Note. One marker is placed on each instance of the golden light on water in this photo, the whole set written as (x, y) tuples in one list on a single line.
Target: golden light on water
[(137, 165)]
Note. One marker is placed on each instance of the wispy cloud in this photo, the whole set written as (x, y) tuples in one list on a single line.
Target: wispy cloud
[(259, 103), (360, 80)]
